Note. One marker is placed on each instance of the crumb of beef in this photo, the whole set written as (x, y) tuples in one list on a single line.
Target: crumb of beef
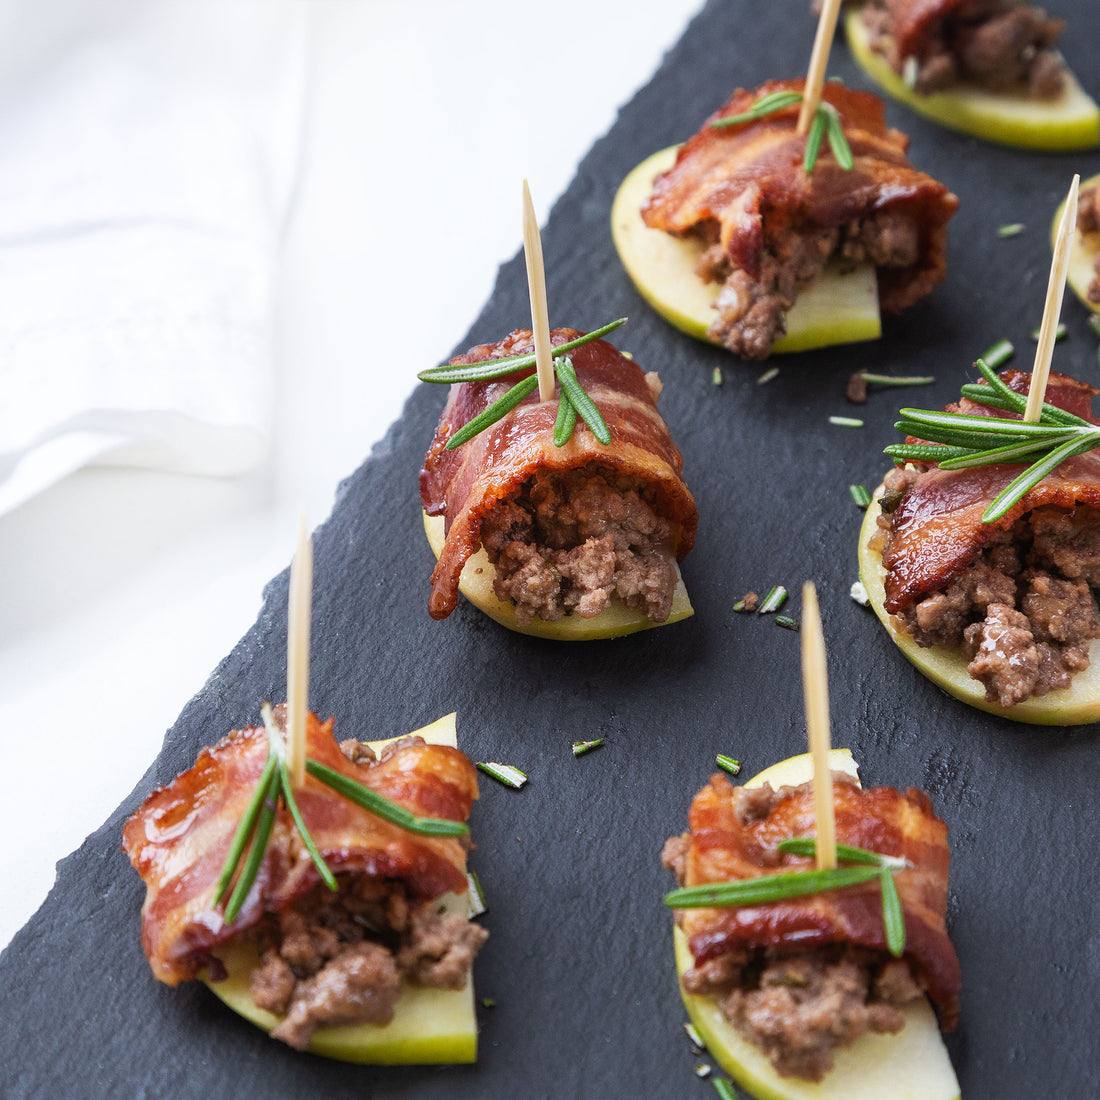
[(358, 752), (342, 958), (798, 1006), (571, 541), (1088, 221), (999, 45), (1024, 611), (674, 853)]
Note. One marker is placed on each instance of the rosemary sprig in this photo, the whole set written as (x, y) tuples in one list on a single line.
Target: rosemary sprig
[(258, 819), (826, 124), (795, 884), (958, 441)]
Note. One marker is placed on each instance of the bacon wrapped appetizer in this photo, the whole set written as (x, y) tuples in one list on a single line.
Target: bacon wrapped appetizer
[(763, 229), (985, 67), (815, 986), (573, 539), (360, 956), (999, 610)]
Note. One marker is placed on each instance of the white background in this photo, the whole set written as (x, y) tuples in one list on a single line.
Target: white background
[(121, 589)]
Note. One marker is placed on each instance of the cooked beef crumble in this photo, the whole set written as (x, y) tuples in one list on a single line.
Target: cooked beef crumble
[(571, 540), (752, 313), (1001, 45), (1088, 221), (1024, 611), (342, 958)]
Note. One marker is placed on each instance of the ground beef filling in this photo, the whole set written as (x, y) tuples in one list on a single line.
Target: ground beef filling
[(752, 313), (1000, 45), (342, 958), (1088, 221), (572, 540), (1023, 613), (798, 1004)]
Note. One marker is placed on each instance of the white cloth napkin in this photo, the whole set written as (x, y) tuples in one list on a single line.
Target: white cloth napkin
[(148, 154)]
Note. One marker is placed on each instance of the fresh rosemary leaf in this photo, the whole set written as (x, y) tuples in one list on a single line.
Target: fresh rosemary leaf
[(728, 764), (256, 852), (786, 622), (842, 151), (498, 409), (244, 829), (1013, 452), (768, 888), (1001, 352), (565, 421), (724, 1087), (327, 876), (694, 1036), (1013, 230), (382, 806), (504, 773), (846, 421), (774, 600), (807, 846), (859, 594), (767, 376), (765, 105), (813, 142), (1020, 486), (860, 495), (716, 376), (702, 1070), (1059, 332), (585, 406), (893, 918), (897, 379), (498, 368), (476, 904), (581, 747), (923, 452)]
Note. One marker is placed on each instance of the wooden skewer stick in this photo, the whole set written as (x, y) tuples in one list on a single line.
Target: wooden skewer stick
[(819, 59), (1056, 288), (297, 654), (815, 689), (536, 284)]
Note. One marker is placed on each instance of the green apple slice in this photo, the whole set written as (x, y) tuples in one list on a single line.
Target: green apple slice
[(910, 1065), (1071, 121), (840, 308), (1072, 706), (1084, 248), (476, 584), (430, 1026)]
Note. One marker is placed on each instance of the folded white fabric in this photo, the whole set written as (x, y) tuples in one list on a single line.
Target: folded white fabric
[(148, 154)]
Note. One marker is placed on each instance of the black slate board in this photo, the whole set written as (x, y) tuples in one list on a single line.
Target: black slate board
[(579, 960)]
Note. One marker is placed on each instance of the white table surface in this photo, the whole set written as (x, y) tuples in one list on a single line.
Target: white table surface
[(123, 589)]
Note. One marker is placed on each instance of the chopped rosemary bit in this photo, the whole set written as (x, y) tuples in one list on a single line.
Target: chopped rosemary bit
[(724, 1087), (910, 70), (702, 1070), (728, 764), (859, 594), (748, 603), (716, 376), (475, 896), (1013, 230), (581, 747), (504, 773), (774, 600), (897, 379), (1059, 332), (860, 496), (694, 1036), (1094, 323), (488, 1002), (786, 622), (826, 123), (1000, 353), (767, 376), (959, 441), (796, 884), (846, 421)]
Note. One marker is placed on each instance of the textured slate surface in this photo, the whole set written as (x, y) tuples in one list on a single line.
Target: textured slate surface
[(579, 960)]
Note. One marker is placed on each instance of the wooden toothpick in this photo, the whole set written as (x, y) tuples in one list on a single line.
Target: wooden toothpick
[(815, 689), (1056, 288), (819, 59), (536, 284), (300, 603)]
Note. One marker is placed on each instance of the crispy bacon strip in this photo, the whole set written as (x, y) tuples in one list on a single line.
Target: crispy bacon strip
[(937, 528), (465, 484), (179, 837), (749, 179), (724, 847)]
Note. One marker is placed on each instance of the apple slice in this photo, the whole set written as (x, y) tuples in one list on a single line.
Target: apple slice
[(1072, 706), (840, 308), (1084, 249), (476, 584), (1071, 121), (430, 1026), (910, 1065)]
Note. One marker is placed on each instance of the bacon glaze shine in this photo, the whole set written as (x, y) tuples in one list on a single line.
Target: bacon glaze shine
[(771, 227), (566, 527), (801, 976), (1018, 596), (179, 838)]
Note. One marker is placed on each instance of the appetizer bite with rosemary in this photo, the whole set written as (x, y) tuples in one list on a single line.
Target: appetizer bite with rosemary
[(1083, 275), (319, 888), (810, 929), (789, 222), (981, 551), (561, 513), (984, 67)]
